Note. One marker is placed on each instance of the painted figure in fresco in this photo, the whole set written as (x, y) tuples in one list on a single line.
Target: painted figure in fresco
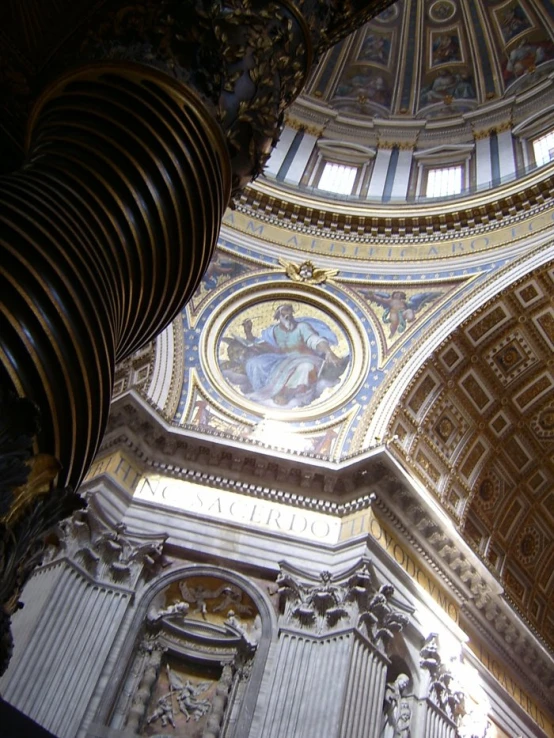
[(400, 309), (387, 15), (289, 365), (442, 11), (447, 84), (364, 84), (397, 709), (514, 21), (525, 57), (220, 270), (446, 48), (376, 48)]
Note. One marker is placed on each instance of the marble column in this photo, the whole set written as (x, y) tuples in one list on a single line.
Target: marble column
[(379, 174), (331, 685), (483, 168)]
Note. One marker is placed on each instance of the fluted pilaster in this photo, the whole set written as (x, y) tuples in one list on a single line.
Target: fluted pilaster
[(437, 724), (77, 625)]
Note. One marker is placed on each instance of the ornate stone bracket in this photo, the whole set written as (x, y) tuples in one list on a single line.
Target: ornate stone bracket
[(350, 599), (105, 553)]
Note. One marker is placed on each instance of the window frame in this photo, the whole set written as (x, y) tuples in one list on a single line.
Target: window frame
[(442, 174), (541, 137), (355, 169), (444, 157)]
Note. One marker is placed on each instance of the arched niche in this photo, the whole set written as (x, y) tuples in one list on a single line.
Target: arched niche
[(194, 657)]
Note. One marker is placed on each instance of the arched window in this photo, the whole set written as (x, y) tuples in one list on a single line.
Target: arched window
[(543, 148), (337, 178)]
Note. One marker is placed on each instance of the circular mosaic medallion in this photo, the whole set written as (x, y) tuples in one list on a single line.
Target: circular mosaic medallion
[(442, 11), (284, 353)]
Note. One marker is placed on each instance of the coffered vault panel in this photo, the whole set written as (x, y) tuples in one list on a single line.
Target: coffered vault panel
[(476, 425)]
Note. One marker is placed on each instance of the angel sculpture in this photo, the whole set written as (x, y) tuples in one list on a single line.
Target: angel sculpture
[(177, 609), (189, 702), (232, 598), (399, 308), (187, 695), (163, 712), (198, 595), (307, 272)]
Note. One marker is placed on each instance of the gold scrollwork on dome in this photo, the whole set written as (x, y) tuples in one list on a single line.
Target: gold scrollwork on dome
[(400, 145), (313, 129)]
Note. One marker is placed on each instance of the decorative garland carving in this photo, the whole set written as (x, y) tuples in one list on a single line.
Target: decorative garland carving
[(442, 690), (247, 60)]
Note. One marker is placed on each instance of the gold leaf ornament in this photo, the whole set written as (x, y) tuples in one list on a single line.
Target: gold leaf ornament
[(44, 468), (307, 272)]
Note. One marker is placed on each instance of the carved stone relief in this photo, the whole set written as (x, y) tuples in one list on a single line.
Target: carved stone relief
[(107, 553), (350, 599), (200, 638)]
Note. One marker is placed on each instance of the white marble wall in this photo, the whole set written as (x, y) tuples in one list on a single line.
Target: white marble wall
[(69, 633), (75, 638)]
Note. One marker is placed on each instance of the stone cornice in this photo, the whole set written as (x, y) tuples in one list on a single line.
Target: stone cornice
[(484, 607), (306, 480), (271, 202), (340, 489)]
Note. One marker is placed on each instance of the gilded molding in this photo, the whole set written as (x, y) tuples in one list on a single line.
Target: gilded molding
[(298, 125), (359, 221)]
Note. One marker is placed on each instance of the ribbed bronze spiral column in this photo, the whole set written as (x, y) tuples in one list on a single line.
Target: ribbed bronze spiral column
[(106, 231), (104, 235)]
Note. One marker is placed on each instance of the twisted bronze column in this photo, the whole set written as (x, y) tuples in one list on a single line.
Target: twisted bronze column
[(168, 107)]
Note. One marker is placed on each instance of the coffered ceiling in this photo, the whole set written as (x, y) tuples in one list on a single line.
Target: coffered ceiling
[(476, 426)]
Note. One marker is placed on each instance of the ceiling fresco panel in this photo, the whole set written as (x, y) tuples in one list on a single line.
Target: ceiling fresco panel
[(439, 59)]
